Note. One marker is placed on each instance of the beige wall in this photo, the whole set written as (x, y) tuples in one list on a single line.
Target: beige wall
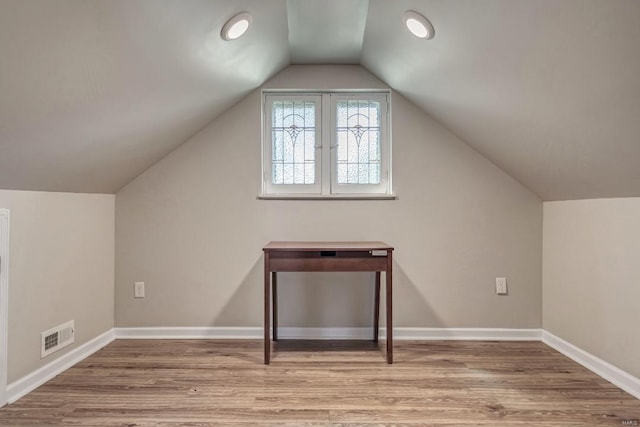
[(591, 277), (192, 229), (61, 268)]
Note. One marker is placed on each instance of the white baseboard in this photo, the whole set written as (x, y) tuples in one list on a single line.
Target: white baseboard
[(614, 375), (239, 333), (478, 334), (189, 332), (467, 334), (488, 334), (287, 332), (30, 382)]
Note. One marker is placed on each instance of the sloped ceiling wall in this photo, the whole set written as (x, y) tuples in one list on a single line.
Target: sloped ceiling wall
[(94, 92), (548, 90)]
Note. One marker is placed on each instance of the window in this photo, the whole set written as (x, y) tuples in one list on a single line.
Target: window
[(326, 145)]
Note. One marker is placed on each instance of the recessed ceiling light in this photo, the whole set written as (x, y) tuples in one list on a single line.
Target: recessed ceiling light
[(418, 25), (236, 26)]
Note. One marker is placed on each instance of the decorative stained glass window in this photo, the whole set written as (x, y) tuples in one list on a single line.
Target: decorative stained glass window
[(358, 142), (293, 146), (326, 145)]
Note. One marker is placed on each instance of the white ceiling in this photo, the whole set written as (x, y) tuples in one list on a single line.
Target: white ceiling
[(93, 92), (326, 32)]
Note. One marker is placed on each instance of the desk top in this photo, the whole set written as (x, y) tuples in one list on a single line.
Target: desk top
[(326, 246)]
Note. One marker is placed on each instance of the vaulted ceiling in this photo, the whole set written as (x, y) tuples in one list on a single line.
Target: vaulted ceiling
[(94, 92)]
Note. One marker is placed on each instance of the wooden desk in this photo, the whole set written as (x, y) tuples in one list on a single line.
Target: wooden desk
[(326, 256)]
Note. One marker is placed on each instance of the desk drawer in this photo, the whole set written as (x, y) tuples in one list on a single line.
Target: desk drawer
[(338, 263)]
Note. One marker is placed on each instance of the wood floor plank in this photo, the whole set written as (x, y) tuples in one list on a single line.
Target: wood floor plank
[(224, 382)]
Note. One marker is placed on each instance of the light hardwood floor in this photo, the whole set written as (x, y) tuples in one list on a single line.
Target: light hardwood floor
[(435, 383)]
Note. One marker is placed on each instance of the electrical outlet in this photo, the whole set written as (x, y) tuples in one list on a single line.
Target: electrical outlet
[(138, 289), (501, 285)]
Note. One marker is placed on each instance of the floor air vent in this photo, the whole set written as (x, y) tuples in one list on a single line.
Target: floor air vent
[(56, 338)]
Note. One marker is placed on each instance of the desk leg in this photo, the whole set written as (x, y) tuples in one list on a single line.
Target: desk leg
[(389, 286), (376, 309), (267, 305), (274, 297)]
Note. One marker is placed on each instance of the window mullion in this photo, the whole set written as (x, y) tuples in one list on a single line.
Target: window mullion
[(327, 141)]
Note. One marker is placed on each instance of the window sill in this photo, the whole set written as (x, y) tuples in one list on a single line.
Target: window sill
[(327, 197)]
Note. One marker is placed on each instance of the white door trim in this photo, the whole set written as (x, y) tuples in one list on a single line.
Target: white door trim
[(4, 305)]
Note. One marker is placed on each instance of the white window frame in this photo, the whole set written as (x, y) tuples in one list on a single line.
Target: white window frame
[(326, 186)]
